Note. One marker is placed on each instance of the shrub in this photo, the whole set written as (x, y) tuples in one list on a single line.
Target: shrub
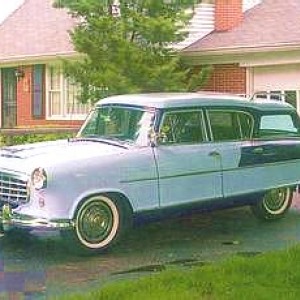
[(6, 140)]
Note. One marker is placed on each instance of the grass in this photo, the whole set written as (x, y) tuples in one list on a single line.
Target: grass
[(274, 275)]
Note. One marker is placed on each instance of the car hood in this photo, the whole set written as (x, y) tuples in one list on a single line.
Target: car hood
[(26, 157)]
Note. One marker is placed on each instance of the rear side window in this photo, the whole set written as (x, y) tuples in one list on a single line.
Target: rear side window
[(230, 125), (277, 125)]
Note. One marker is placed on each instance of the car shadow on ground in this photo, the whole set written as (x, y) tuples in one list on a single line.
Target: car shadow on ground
[(196, 239), (175, 234)]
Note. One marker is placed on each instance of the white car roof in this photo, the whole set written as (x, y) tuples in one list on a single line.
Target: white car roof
[(173, 100)]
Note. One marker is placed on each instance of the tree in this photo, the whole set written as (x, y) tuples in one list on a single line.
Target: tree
[(127, 46)]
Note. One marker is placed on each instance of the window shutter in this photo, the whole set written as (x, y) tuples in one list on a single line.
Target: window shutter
[(38, 91)]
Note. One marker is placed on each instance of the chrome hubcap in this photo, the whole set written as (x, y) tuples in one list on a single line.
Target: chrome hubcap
[(276, 200), (95, 222)]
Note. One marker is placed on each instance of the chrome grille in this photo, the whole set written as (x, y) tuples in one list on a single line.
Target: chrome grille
[(13, 188)]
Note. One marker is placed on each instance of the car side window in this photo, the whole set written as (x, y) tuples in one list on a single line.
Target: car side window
[(182, 127), (276, 125), (230, 125)]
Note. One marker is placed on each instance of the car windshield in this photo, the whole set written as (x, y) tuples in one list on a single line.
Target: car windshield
[(118, 123)]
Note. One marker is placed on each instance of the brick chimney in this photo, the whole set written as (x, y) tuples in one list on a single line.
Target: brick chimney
[(228, 14)]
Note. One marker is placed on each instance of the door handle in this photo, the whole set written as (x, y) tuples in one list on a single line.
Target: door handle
[(214, 153), (264, 152), (258, 150)]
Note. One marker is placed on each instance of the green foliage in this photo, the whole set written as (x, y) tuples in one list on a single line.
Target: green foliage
[(32, 138), (269, 276), (130, 52)]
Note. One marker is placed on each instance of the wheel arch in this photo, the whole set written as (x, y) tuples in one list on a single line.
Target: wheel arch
[(117, 196), (90, 234), (281, 203)]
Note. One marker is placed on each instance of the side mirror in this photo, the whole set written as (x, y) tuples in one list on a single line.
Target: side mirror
[(156, 138), (152, 137)]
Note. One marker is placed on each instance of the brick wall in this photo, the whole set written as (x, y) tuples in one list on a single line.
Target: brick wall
[(24, 97), (228, 13), (24, 104), (228, 78)]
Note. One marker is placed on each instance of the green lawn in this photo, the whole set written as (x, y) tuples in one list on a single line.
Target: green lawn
[(272, 276)]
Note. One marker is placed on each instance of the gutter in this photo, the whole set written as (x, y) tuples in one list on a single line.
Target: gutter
[(245, 56), (241, 49), (24, 59)]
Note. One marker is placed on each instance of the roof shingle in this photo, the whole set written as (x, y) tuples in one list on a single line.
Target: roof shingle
[(272, 23), (35, 29)]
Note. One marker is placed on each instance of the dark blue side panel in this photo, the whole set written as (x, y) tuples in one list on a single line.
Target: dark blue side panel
[(269, 152)]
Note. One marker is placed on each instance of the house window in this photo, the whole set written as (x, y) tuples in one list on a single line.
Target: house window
[(62, 97), (289, 96)]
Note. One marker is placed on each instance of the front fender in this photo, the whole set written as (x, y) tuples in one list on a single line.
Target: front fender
[(87, 194)]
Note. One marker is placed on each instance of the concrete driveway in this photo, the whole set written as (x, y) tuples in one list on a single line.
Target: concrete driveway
[(38, 267)]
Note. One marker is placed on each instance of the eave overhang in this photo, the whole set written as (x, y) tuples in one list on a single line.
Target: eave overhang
[(8, 61), (284, 53)]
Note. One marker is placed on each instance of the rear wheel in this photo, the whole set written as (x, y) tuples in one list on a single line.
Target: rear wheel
[(274, 204), (99, 223)]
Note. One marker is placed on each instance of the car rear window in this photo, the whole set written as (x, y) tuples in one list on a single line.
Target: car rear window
[(277, 125)]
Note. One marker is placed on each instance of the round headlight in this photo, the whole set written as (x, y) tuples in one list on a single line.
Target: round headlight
[(39, 178)]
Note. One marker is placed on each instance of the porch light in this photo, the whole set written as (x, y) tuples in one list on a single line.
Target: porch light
[(19, 73)]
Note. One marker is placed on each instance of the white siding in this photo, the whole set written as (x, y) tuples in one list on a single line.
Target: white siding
[(201, 24), (247, 4)]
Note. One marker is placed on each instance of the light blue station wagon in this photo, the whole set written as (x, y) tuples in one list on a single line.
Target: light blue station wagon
[(153, 154)]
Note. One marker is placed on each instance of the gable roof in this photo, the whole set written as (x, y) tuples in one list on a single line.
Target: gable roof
[(36, 29), (272, 24)]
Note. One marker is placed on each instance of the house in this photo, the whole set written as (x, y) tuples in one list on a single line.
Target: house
[(253, 50), (34, 92), (252, 45)]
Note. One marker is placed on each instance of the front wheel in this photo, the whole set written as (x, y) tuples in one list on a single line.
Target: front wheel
[(99, 223), (274, 204)]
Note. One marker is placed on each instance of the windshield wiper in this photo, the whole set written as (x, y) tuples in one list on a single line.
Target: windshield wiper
[(96, 138)]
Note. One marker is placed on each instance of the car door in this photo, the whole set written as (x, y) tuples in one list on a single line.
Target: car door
[(272, 158), (250, 165), (189, 168), (230, 132)]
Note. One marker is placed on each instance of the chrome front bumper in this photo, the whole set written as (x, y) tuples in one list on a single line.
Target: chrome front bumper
[(9, 220)]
